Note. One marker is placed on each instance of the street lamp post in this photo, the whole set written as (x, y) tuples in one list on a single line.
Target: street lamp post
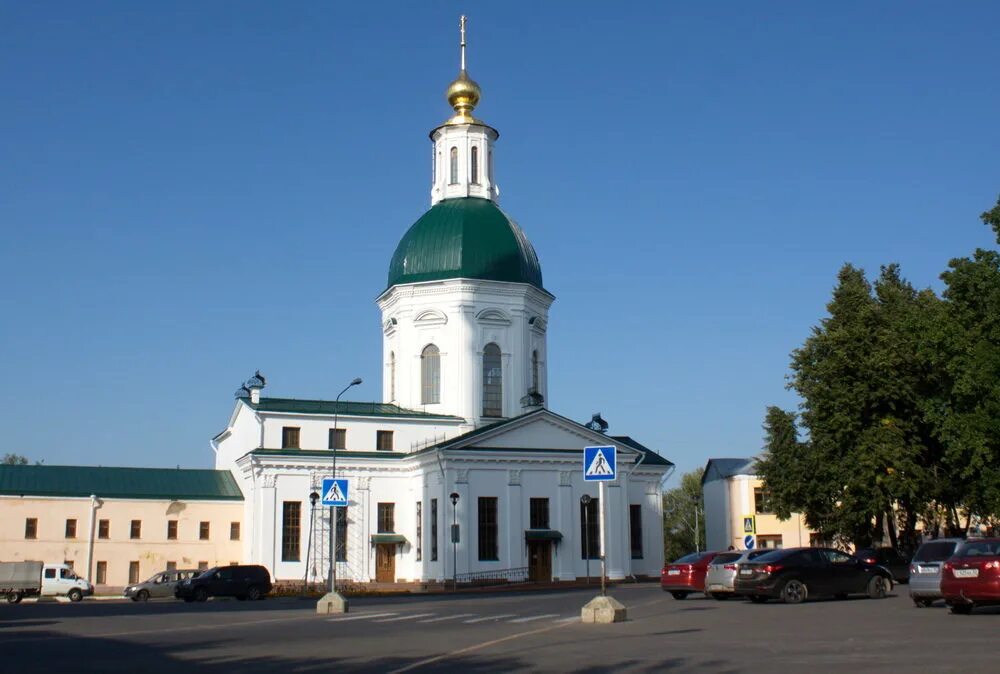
[(585, 500), (313, 498), (332, 579), (454, 540)]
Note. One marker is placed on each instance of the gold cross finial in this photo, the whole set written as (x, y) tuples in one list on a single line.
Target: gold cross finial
[(461, 24)]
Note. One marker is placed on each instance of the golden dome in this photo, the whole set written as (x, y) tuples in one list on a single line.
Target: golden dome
[(463, 95)]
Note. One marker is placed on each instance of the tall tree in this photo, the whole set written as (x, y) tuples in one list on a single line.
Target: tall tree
[(992, 218), (684, 517)]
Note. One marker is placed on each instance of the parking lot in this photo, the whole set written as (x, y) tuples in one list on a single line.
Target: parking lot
[(534, 631)]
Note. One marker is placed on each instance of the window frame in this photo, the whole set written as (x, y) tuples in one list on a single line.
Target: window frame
[(204, 531), (538, 513), (104, 529), (235, 531), (291, 437), (135, 530), (488, 514), (430, 375), (492, 383), (635, 530), (419, 538), (340, 542), (383, 445), (172, 527), (434, 530), (453, 168), (70, 527), (336, 438), (31, 528), (474, 165), (590, 530), (291, 531)]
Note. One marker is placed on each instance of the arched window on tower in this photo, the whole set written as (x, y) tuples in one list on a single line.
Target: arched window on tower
[(454, 166), (430, 375), (534, 371), (474, 166), (392, 376), (489, 165), (492, 381)]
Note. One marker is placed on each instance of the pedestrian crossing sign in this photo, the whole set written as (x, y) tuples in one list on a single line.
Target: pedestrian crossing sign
[(600, 464), (335, 492)]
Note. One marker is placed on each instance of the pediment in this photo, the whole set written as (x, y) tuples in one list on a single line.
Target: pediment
[(430, 317), (541, 430), (493, 317)]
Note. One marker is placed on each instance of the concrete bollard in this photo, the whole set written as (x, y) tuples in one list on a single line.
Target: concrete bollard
[(603, 609), (332, 602)]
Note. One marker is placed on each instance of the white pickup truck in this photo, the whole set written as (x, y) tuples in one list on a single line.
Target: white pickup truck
[(33, 579)]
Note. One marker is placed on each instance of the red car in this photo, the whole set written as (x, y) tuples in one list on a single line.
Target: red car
[(686, 575), (971, 577)]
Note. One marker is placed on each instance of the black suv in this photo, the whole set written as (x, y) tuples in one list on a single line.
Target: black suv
[(243, 582)]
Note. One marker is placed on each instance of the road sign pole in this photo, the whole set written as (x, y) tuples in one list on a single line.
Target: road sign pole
[(602, 504)]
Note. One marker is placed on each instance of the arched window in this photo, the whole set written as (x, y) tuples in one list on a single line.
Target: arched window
[(430, 375), (492, 382), (489, 165), (392, 375), (454, 165), (475, 165), (435, 155), (534, 370)]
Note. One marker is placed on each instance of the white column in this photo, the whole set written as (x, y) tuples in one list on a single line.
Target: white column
[(568, 551), (614, 537), (514, 552)]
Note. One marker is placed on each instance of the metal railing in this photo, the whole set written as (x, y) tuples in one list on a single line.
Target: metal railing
[(500, 577)]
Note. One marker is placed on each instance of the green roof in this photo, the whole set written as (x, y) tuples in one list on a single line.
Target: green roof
[(293, 406), (140, 483), (465, 238), (327, 454)]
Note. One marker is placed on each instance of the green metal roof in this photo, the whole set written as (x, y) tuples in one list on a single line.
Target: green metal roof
[(465, 238), (140, 483), (293, 406)]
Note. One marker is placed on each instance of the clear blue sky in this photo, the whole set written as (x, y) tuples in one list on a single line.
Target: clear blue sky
[(191, 190)]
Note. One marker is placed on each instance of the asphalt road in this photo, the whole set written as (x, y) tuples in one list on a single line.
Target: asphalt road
[(534, 631)]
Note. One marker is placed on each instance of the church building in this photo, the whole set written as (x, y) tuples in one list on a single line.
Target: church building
[(463, 440)]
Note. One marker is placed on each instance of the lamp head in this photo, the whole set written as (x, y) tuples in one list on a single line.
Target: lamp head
[(313, 497), (454, 497), (585, 499), (357, 380)]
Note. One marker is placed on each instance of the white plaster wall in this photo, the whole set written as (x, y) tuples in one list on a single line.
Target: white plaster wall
[(463, 137), (718, 519), (361, 433)]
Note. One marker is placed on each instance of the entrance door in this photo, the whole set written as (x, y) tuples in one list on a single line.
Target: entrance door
[(385, 563), (540, 560)]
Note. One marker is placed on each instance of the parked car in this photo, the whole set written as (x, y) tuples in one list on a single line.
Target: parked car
[(971, 577), (722, 571), (898, 564), (31, 579), (795, 574), (686, 575), (925, 569), (160, 585), (241, 581)]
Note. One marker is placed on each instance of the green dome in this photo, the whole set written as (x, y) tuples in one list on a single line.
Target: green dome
[(465, 238)]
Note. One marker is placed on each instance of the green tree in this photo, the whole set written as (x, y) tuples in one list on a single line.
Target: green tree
[(14, 460), (684, 517), (992, 218)]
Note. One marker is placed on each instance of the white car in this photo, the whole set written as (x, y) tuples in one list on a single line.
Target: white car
[(722, 571)]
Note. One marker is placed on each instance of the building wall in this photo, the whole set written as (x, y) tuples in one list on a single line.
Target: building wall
[(789, 533), (718, 517), (152, 550)]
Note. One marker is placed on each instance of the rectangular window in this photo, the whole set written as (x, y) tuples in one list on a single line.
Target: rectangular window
[(386, 518), (171, 566), (383, 441), (290, 437), (102, 573), (203, 566), (635, 529), (133, 572), (291, 529), (539, 513), (489, 550), (31, 528), (204, 530), (590, 530), (762, 501), (50, 573), (234, 531), (434, 529), (136, 529), (71, 528), (171, 530), (770, 542), (338, 438), (104, 529), (341, 541), (420, 532)]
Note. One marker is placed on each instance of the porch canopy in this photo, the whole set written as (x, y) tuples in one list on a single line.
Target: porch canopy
[(542, 535), (388, 538)]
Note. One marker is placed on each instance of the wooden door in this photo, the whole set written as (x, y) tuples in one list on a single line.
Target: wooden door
[(385, 563), (540, 561)]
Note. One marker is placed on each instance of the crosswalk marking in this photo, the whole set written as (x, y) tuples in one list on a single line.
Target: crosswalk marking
[(533, 617), (489, 617), (410, 616), (359, 616), (448, 617)]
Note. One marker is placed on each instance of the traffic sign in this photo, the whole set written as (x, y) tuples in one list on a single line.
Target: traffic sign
[(749, 542), (749, 524), (600, 464), (335, 492)]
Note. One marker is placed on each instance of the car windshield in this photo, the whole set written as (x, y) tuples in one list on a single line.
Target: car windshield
[(689, 559), (208, 572), (987, 548), (773, 556), (937, 551), (727, 557)]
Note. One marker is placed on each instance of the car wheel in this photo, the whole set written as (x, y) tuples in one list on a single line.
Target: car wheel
[(719, 596), (877, 587), (142, 595), (758, 599), (201, 594), (253, 593), (13, 597), (75, 595), (679, 595), (962, 609), (794, 592)]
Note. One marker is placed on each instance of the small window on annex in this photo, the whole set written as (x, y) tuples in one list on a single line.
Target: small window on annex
[(762, 501), (171, 530), (290, 437), (474, 165), (453, 177), (337, 438), (31, 528), (539, 513), (492, 381), (104, 528), (383, 441), (430, 375)]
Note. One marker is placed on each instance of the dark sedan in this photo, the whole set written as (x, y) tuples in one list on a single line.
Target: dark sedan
[(795, 574), (898, 565)]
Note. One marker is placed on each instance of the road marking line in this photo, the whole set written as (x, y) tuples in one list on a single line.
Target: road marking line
[(475, 647), (567, 620), (448, 617), (533, 617), (405, 617), (189, 628), (489, 617), (360, 616)]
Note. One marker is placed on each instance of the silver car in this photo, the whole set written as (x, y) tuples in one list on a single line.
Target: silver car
[(160, 585), (925, 569), (723, 569)]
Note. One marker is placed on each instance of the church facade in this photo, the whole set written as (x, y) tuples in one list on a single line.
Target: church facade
[(461, 469)]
